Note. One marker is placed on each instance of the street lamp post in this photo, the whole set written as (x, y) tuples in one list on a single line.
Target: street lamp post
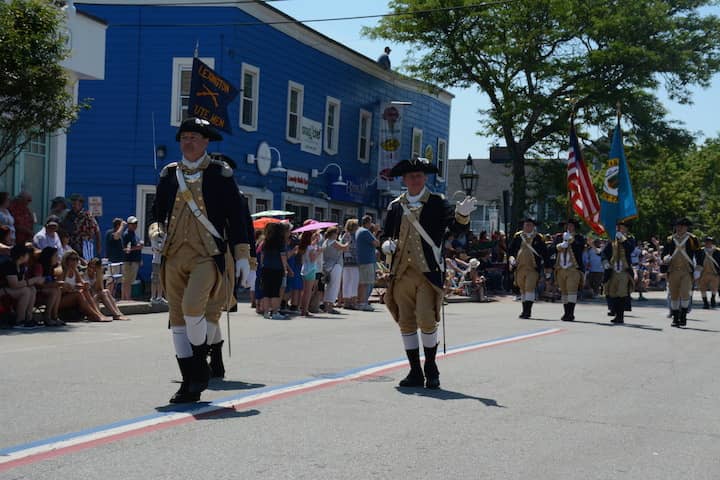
[(469, 177)]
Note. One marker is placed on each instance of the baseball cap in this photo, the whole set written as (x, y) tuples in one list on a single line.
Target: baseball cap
[(132, 219)]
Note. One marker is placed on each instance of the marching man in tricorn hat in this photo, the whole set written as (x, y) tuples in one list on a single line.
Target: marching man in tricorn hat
[(528, 254), (618, 271), (201, 231), (569, 268), (679, 261), (708, 260), (416, 223)]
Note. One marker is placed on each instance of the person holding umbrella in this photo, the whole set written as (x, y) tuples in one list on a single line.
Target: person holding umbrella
[(415, 225)]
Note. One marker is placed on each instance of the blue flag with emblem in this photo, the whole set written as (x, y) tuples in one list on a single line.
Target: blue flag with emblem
[(210, 95), (616, 200)]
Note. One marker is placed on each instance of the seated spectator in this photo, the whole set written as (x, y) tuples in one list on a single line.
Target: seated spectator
[(5, 241), (6, 218), (16, 283), (48, 236), (94, 276), (75, 292), (48, 293)]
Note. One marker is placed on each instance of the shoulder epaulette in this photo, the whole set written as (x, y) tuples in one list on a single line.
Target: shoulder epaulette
[(166, 169), (226, 170), (390, 205), (438, 194)]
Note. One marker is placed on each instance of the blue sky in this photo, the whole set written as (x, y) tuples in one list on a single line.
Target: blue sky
[(701, 116)]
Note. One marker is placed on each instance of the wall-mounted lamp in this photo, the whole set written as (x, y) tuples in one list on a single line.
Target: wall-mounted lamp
[(161, 152), (278, 168), (339, 182)]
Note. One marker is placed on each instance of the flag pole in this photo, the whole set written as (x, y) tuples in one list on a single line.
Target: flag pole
[(568, 200), (154, 144), (196, 52)]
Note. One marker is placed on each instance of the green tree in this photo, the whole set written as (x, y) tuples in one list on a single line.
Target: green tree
[(33, 95), (530, 57)]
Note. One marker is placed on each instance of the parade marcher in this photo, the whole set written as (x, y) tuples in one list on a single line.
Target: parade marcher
[(527, 255), (679, 262), (708, 260), (202, 230), (569, 268), (618, 271), (415, 225)]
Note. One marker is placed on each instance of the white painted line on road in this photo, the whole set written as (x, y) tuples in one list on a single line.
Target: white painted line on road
[(36, 451)]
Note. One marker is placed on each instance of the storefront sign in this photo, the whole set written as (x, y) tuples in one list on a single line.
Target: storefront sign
[(311, 136), (297, 180), (95, 206)]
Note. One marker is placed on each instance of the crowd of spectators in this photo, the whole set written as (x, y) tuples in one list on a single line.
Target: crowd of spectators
[(55, 275)]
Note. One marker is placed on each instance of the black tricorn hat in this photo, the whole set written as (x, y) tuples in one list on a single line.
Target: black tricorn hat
[(198, 125), (529, 220), (684, 221), (574, 221), (625, 223), (414, 165), (709, 239)]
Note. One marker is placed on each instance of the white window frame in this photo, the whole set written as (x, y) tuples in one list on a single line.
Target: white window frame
[(333, 148), (254, 98), (364, 157), (441, 159), (416, 133), (179, 65), (293, 86), (141, 192)]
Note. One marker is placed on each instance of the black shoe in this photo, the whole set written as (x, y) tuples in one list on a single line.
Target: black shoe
[(712, 301), (565, 316), (706, 304), (183, 395), (217, 367), (415, 378), (432, 374), (683, 317), (676, 318)]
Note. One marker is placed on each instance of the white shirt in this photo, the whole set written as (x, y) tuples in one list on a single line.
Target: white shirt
[(42, 240)]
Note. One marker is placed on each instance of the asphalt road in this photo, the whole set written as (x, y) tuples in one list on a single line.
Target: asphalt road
[(316, 398)]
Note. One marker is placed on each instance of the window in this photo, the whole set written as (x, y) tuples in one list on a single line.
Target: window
[(296, 92), (416, 143), (320, 213), (364, 130), (144, 200), (332, 124), (441, 158), (261, 205), (250, 97), (182, 73), (336, 215)]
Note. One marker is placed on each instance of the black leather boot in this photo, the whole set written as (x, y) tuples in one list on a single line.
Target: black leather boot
[(217, 367), (571, 312), (712, 301), (706, 304), (201, 370), (618, 309), (564, 318), (432, 374), (524, 313), (675, 318), (415, 378), (183, 395), (683, 317)]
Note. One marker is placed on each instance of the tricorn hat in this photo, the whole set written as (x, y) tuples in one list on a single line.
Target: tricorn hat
[(415, 165), (574, 221), (684, 221), (529, 220), (624, 223), (709, 239), (198, 125)]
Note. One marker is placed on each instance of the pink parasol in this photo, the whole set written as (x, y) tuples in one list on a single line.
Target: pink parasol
[(314, 226)]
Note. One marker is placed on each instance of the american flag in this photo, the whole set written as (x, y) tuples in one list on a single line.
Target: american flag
[(583, 198)]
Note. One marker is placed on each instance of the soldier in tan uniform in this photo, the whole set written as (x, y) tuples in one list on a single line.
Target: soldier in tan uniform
[(569, 268), (679, 262), (618, 271), (528, 254), (708, 261), (414, 295), (196, 214)]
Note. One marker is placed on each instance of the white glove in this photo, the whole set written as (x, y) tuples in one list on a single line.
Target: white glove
[(242, 271), (389, 247), (667, 258), (513, 261), (567, 236), (466, 207), (563, 245), (606, 265), (619, 236), (696, 274)]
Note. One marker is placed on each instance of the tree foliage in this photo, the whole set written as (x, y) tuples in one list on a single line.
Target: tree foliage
[(530, 57), (33, 93)]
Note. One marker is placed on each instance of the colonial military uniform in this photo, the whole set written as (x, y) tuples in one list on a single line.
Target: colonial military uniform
[(528, 253), (618, 274), (569, 269), (414, 295), (203, 231), (708, 262), (679, 263)]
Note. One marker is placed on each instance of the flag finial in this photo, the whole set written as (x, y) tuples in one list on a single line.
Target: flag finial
[(196, 53), (618, 111)]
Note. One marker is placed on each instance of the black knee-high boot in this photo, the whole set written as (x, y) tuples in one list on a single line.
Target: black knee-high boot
[(217, 367), (706, 304), (683, 317), (619, 309), (675, 318), (415, 378), (565, 316), (184, 395), (201, 369), (571, 312), (712, 301), (432, 374)]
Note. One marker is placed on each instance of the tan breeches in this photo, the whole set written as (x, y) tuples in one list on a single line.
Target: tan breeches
[(568, 280), (526, 279), (680, 285), (414, 302), (189, 281), (619, 285), (709, 282)]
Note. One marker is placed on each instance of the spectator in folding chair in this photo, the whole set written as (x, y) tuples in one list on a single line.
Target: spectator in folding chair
[(17, 284), (95, 278)]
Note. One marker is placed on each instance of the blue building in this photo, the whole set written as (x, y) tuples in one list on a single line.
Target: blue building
[(308, 105)]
